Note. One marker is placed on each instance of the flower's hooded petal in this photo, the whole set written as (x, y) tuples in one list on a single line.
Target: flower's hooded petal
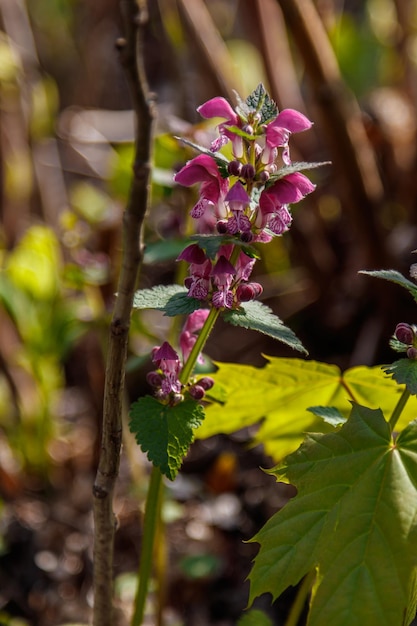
[(292, 120), (290, 189), (237, 197), (202, 168), (218, 107)]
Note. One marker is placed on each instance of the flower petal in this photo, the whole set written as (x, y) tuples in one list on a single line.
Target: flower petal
[(202, 168), (292, 120), (218, 107)]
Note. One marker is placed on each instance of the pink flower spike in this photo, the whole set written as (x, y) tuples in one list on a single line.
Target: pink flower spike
[(218, 107), (237, 197)]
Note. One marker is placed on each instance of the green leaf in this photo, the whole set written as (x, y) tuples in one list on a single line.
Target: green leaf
[(293, 168), (211, 245), (404, 371), (394, 277), (254, 618), (165, 250), (258, 316), (260, 101), (329, 414), (277, 396), (353, 518), (165, 432), (171, 299)]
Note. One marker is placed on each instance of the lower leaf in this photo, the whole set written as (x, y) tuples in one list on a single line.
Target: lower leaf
[(165, 432)]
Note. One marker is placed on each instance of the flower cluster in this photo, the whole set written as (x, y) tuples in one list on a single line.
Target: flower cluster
[(244, 199), (252, 200), (166, 378)]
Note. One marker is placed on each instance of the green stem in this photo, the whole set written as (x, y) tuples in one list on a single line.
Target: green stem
[(150, 525), (199, 345), (399, 408), (300, 600)]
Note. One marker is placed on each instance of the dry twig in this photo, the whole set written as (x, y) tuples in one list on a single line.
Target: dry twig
[(135, 19)]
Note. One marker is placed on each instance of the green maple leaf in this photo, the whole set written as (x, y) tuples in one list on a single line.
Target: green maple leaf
[(165, 432), (353, 520), (278, 396)]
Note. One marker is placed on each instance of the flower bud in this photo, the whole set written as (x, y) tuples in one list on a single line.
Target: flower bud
[(248, 171), (248, 291), (206, 383), (221, 227), (234, 168), (404, 333), (263, 176), (197, 392), (412, 353)]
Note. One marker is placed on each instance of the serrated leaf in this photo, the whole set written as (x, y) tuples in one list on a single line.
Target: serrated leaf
[(255, 618), (260, 101), (257, 316), (394, 277), (221, 161), (353, 518), (293, 168), (404, 371), (165, 432), (329, 414), (277, 396), (171, 299)]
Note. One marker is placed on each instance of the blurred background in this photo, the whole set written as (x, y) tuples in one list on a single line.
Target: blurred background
[(66, 132)]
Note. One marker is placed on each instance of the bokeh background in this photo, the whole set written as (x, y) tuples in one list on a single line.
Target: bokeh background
[(66, 132)]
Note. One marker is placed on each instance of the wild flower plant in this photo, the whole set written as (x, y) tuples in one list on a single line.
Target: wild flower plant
[(351, 531)]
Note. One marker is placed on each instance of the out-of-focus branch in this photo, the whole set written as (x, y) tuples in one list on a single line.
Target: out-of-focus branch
[(131, 53), (352, 154), (212, 47)]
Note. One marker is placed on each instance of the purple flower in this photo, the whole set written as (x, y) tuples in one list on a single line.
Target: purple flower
[(193, 254), (203, 169), (198, 283), (223, 273), (166, 359), (279, 131), (219, 107), (288, 190)]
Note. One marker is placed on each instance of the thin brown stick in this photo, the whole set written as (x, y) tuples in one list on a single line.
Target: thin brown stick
[(352, 154), (131, 53)]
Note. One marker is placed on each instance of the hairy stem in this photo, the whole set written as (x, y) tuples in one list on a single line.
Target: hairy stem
[(104, 520)]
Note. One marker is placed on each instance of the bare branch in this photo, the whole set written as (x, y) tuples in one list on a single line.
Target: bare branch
[(135, 19)]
